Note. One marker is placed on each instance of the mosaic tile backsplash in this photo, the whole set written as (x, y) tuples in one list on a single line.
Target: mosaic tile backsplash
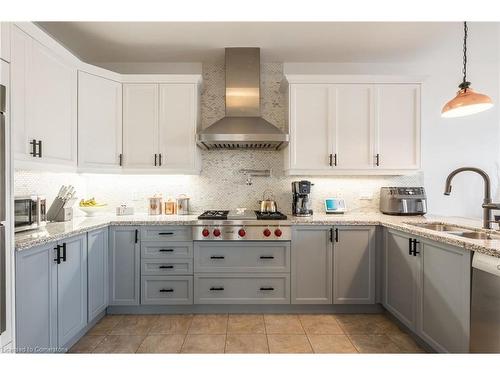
[(220, 185)]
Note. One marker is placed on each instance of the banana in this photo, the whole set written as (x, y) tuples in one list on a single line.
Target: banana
[(91, 203)]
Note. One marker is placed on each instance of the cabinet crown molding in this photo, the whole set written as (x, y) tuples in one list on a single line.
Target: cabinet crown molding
[(352, 78)]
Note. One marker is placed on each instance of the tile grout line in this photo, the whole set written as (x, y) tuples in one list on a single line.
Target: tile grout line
[(265, 332), (225, 341), (187, 332), (147, 333), (307, 336), (346, 335)]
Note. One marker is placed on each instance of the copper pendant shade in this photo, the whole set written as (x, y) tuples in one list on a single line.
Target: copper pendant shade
[(467, 101)]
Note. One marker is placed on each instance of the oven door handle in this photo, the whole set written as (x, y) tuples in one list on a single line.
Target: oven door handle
[(30, 212)]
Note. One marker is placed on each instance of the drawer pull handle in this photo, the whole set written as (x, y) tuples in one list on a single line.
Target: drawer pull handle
[(266, 257), (166, 250), (170, 290), (169, 267), (166, 233), (266, 288), (217, 257), (217, 288)]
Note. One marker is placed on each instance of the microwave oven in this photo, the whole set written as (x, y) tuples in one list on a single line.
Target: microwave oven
[(29, 213)]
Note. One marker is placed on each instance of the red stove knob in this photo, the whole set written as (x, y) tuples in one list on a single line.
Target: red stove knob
[(205, 232), (216, 232), (267, 232), (242, 232), (278, 232)]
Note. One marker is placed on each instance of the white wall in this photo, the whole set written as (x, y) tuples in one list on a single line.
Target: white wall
[(447, 143)]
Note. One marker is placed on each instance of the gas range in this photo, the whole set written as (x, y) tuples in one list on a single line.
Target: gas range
[(241, 215), (241, 225)]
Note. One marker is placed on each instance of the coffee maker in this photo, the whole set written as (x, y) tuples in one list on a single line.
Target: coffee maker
[(301, 202)]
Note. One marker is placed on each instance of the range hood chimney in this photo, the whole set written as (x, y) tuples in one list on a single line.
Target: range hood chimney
[(242, 127)]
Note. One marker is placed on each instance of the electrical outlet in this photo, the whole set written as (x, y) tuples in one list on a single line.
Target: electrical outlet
[(366, 195)]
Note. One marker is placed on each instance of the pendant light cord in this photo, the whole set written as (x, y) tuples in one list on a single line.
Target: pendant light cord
[(465, 85)]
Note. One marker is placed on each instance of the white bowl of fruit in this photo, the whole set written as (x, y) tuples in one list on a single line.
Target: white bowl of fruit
[(91, 207)]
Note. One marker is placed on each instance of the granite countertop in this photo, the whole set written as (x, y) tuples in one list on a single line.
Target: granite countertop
[(57, 231)]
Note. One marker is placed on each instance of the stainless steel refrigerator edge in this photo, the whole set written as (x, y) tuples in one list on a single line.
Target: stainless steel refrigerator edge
[(3, 307)]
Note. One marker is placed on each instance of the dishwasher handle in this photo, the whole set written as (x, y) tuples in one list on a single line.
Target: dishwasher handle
[(486, 263)]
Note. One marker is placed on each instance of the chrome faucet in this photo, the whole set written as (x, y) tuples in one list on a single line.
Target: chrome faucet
[(487, 205)]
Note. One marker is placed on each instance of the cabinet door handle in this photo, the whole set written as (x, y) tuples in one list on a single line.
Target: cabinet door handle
[(266, 288), (34, 145), (166, 233), (58, 254), (217, 257), (64, 252), (156, 157), (120, 160), (167, 267), (216, 288), (169, 290), (415, 252), (377, 160), (159, 159), (331, 160), (136, 235), (410, 246), (335, 159), (266, 257), (336, 234), (166, 250), (33, 148)]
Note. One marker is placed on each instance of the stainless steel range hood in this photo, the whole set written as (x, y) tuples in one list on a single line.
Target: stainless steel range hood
[(242, 127)]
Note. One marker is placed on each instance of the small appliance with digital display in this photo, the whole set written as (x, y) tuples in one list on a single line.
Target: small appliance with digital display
[(335, 205)]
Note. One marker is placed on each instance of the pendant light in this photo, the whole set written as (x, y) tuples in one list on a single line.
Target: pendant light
[(467, 101)]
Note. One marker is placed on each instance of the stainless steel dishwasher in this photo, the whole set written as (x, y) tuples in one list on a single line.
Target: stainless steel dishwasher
[(485, 308)]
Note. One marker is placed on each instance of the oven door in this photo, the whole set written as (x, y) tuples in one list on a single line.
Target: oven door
[(25, 212)]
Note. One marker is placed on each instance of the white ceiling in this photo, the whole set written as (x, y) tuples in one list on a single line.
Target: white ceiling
[(99, 42)]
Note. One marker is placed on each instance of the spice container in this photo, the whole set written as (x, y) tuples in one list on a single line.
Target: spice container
[(170, 207), (155, 203), (182, 205)]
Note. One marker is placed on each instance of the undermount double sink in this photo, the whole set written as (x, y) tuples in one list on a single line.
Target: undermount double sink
[(457, 230)]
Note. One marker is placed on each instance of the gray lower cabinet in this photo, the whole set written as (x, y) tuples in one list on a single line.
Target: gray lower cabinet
[(167, 290), (401, 278), (427, 287), (36, 299), (97, 260), (256, 256), (242, 288), (311, 271), (124, 265), (444, 306), (354, 265), (72, 289), (51, 297)]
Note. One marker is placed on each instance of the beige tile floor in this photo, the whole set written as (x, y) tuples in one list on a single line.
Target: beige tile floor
[(246, 333)]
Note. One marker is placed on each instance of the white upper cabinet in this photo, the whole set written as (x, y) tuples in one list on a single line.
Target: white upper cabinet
[(5, 41), (140, 125), (310, 127), (99, 123), (159, 127), (177, 127), (44, 104), (398, 125), (353, 125)]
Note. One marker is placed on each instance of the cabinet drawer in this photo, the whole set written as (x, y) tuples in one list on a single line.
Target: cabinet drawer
[(242, 289), (158, 267), (171, 250), (167, 290), (242, 257), (166, 233)]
